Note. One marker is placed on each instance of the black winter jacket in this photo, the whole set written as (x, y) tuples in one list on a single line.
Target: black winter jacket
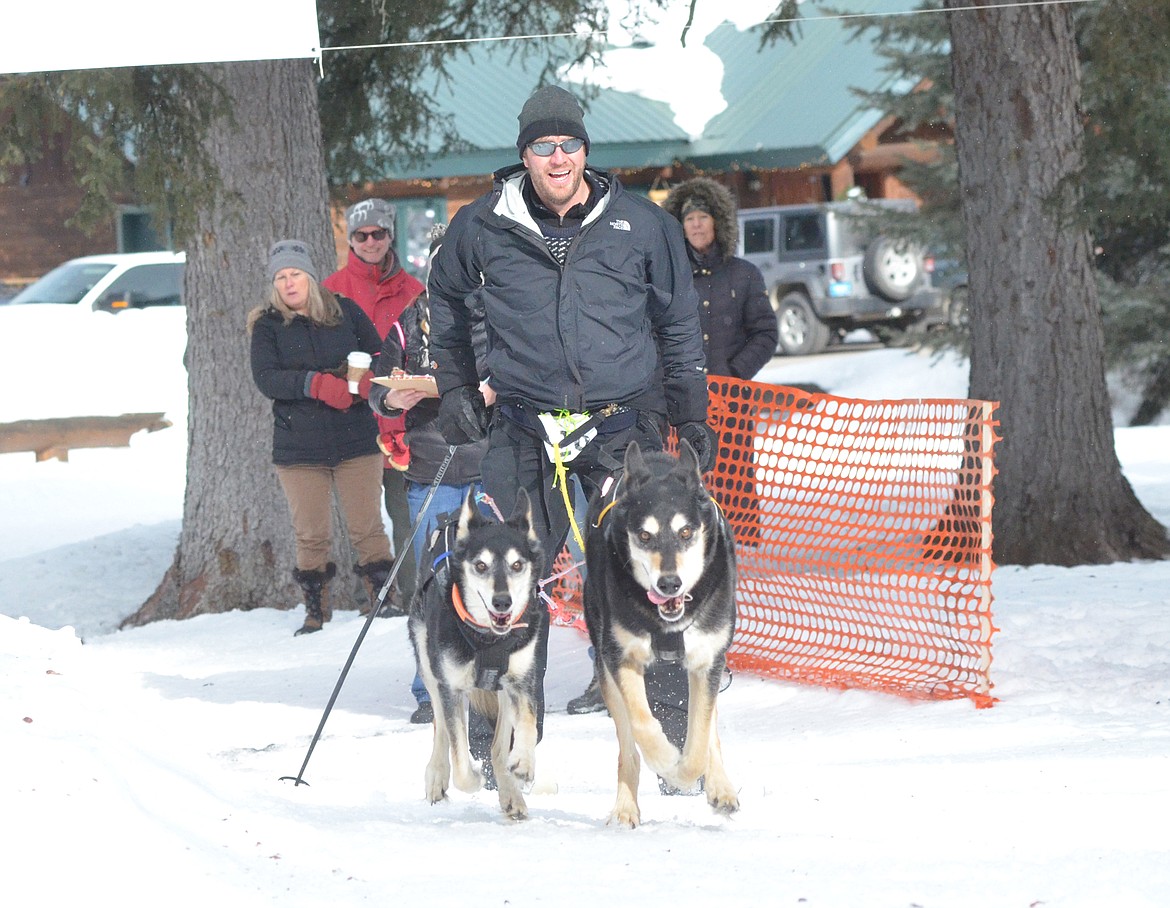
[(739, 326), (284, 358), (427, 447), (575, 338)]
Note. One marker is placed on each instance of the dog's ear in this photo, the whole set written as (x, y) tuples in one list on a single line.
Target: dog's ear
[(469, 516), (635, 464)]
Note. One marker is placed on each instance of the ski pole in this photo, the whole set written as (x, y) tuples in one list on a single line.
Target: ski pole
[(409, 547)]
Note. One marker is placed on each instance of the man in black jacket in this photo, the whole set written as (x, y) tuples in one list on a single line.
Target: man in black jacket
[(592, 318)]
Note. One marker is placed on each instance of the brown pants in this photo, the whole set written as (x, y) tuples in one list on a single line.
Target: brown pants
[(309, 490)]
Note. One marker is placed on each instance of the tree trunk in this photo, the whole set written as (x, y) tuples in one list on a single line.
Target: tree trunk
[(236, 548), (1036, 337)]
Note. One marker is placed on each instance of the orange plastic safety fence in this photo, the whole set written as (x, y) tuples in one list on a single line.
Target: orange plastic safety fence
[(863, 533)]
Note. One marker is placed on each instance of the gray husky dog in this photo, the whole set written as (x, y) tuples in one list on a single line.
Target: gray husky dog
[(474, 625), (660, 584)]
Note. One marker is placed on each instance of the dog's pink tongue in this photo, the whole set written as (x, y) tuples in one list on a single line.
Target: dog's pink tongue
[(657, 598)]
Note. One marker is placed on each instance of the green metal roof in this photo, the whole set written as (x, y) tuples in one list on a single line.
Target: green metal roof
[(792, 104), (788, 105), (489, 85)]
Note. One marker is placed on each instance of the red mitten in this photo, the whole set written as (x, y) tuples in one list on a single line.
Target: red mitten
[(364, 383), (331, 390), (393, 445)]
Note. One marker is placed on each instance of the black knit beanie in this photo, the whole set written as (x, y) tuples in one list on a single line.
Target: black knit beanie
[(552, 111)]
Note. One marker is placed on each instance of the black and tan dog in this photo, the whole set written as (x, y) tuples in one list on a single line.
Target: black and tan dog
[(474, 626), (660, 584)]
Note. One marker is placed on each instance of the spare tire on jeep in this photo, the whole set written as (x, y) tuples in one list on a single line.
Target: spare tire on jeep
[(892, 268)]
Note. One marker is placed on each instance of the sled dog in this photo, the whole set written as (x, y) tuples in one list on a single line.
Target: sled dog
[(474, 625), (660, 584)]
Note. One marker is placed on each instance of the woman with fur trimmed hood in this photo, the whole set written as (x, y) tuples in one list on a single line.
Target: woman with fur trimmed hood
[(739, 326)]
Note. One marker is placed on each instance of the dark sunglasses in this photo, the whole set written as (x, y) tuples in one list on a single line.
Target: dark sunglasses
[(362, 235), (544, 149)]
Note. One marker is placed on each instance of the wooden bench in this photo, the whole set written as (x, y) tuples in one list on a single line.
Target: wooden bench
[(48, 438)]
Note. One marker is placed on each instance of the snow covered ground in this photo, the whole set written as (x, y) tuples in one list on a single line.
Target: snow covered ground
[(143, 766)]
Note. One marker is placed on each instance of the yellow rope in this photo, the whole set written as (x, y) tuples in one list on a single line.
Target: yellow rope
[(562, 480)]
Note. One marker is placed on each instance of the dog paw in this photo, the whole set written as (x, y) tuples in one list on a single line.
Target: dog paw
[(467, 777), (674, 778), (514, 806), (436, 789), (523, 768), (469, 780), (725, 802), (665, 760), (626, 817)]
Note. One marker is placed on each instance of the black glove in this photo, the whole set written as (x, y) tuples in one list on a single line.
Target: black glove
[(702, 439), (377, 399), (462, 415)]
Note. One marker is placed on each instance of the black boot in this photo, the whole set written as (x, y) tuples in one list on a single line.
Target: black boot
[(590, 701), (374, 577), (314, 585)]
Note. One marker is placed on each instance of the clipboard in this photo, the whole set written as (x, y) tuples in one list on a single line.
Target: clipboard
[(401, 380)]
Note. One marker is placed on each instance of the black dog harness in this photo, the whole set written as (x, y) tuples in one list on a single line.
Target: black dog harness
[(491, 661), (668, 646)]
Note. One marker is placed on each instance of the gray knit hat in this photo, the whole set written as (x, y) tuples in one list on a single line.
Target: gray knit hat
[(289, 254), (370, 213), (552, 111)]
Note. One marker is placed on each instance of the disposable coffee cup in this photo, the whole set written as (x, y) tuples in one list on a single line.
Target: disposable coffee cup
[(358, 363)]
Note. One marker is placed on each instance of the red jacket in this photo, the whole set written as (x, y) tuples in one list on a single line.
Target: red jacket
[(382, 296)]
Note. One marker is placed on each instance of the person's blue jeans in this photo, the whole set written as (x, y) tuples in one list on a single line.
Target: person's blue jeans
[(447, 498)]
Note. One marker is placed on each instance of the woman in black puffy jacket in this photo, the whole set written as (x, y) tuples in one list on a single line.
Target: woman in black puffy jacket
[(324, 437), (739, 326)]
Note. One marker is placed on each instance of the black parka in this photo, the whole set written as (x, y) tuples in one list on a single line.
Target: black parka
[(739, 327), (578, 337), (284, 359)]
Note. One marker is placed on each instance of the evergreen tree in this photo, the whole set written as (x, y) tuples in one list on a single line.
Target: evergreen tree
[(1009, 79), (1125, 61), (1127, 187)]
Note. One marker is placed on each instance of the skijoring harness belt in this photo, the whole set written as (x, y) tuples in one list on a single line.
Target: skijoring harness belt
[(607, 420)]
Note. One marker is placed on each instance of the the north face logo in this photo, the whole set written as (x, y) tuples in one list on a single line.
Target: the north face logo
[(620, 224)]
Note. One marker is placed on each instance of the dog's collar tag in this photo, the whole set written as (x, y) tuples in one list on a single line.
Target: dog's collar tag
[(668, 647)]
